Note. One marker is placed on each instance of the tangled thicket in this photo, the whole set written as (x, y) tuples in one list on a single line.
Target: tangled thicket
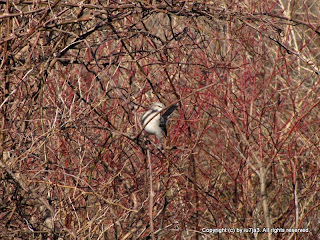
[(243, 146)]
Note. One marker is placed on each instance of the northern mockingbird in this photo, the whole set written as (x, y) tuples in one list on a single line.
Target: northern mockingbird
[(156, 126)]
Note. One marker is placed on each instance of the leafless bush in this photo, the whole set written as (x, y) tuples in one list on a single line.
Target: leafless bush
[(243, 146)]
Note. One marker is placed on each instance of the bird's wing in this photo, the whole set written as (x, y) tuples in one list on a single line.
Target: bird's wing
[(170, 110), (164, 118), (163, 123)]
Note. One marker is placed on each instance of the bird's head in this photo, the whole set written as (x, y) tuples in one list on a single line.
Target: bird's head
[(157, 106)]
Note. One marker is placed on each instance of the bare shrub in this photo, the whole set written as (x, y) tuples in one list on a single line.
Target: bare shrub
[(243, 146)]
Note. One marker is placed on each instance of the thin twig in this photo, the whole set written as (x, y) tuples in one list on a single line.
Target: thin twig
[(151, 194)]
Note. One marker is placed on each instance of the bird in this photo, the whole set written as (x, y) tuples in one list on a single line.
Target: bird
[(154, 123)]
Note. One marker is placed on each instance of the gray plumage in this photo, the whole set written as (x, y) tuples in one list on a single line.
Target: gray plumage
[(157, 126)]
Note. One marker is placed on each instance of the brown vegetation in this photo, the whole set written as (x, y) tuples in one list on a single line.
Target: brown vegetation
[(243, 145)]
